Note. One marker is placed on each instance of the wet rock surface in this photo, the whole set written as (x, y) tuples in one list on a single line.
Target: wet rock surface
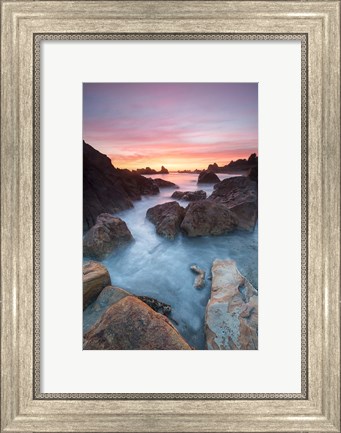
[(130, 324), (231, 320), (207, 218), (200, 278), (167, 218), (240, 195), (107, 235)]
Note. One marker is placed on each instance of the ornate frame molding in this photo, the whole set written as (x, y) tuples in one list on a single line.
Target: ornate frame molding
[(24, 24)]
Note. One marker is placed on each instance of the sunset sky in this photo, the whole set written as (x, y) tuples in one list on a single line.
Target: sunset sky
[(178, 125)]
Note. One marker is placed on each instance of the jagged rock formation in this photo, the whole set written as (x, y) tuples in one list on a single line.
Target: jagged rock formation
[(107, 189), (149, 170), (241, 165)]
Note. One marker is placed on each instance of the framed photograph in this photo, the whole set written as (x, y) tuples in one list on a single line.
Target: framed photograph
[(170, 216)]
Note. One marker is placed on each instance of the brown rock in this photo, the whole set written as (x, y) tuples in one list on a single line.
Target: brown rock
[(112, 294), (231, 320), (167, 218), (108, 234), (204, 218), (208, 177), (130, 324), (95, 278), (200, 278), (240, 195)]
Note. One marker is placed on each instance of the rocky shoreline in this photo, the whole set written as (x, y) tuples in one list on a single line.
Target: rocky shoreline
[(116, 319), (119, 320)]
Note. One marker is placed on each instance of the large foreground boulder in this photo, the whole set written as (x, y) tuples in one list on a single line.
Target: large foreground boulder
[(231, 320), (240, 195), (204, 218), (95, 278), (130, 324), (208, 177), (189, 195), (167, 218), (110, 295), (107, 235)]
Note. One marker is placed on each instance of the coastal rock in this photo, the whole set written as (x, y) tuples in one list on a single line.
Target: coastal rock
[(241, 166), (161, 183), (189, 195), (231, 320), (95, 278), (107, 189), (213, 167), (158, 306), (131, 324), (112, 294), (149, 171), (136, 185), (200, 278), (196, 171), (208, 177), (246, 214), (240, 195), (108, 296), (108, 234), (102, 190), (206, 217), (146, 170), (253, 174), (167, 218)]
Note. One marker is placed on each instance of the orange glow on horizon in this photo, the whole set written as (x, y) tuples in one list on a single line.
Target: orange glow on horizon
[(192, 162)]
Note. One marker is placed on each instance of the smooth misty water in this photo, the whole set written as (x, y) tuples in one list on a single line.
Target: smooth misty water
[(160, 268)]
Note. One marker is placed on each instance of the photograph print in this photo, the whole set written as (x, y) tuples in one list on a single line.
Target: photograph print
[(170, 216)]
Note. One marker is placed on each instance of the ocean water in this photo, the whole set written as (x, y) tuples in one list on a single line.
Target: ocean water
[(160, 268)]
